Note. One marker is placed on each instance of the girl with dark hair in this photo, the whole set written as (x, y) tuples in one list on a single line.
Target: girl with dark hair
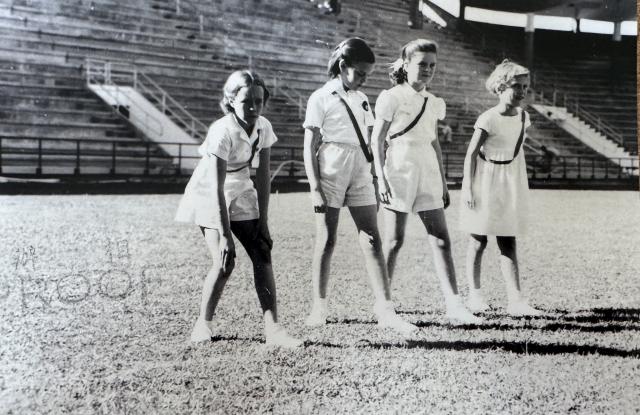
[(337, 156), (221, 198), (410, 170)]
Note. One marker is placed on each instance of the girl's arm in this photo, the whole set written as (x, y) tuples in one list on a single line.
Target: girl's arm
[(378, 137), (445, 191), (312, 141), (263, 187), (227, 247), (471, 159)]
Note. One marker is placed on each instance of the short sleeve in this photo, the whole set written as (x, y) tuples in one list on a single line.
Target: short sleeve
[(218, 141), (269, 136), (440, 108), (527, 120), (368, 114), (314, 116), (484, 122), (385, 106)]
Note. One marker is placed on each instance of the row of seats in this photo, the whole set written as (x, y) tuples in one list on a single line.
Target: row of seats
[(192, 65)]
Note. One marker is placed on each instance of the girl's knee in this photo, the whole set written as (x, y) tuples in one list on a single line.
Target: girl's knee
[(394, 244), (222, 273), (370, 240), (441, 243), (326, 241), (478, 244), (261, 252)]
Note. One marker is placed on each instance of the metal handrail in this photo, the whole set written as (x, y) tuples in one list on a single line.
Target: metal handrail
[(196, 127), (596, 122), (562, 167), (573, 106), (93, 74), (139, 81)]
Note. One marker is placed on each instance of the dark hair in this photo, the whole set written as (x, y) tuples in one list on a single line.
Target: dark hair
[(398, 75), (237, 80), (350, 50)]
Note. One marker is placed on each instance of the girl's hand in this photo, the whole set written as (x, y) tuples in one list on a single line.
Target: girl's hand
[(467, 198), (262, 231), (227, 253), (319, 201), (384, 190), (446, 198)]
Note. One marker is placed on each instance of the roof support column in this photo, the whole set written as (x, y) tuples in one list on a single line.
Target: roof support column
[(529, 41), (617, 31), (615, 55)]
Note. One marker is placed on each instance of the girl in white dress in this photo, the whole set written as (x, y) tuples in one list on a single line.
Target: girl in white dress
[(221, 198), (408, 161), (337, 159), (495, 187)]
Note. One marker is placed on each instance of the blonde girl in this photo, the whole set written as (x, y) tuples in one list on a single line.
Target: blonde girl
[(495, 187), (337, 162), (221, 198), (408, 161)]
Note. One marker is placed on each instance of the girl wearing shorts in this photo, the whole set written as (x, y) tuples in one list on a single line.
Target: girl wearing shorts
[(408, 161), (337, 162), (221, 198), (495, 187)]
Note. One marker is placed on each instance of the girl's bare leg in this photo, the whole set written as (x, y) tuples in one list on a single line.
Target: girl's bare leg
[(365, 219), (395, 224), (326, 228), (435, 224), (475, 250), (212, 288), (517, 305)]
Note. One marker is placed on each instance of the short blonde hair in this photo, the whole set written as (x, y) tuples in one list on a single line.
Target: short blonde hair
[(237, 80), (503, 74)]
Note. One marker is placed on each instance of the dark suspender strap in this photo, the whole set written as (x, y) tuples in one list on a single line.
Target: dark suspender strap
[(413, 123), (515, 152), (521, 138), (363, 144), (254, 148)]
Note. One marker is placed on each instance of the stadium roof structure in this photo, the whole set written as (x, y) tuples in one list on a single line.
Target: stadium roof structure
[(608, 10)]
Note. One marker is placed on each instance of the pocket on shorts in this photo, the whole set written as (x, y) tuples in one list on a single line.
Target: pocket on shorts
[(331, 163)]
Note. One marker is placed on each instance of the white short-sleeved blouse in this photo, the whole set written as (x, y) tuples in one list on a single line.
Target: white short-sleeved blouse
[(401, 105), (227, 140), (325, 111)]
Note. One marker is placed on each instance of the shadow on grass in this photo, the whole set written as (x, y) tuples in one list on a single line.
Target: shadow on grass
[(236, 338), (602, 321), (596, 320), (594, 328), (525, 348), (597, 315)]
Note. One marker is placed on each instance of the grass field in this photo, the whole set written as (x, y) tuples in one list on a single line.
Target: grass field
[(99, 293)]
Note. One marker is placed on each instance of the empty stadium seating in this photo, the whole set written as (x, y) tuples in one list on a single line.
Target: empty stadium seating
[(190, 49)]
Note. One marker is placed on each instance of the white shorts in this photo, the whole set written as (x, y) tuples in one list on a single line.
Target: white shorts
[(414, 178), (345, 175), (199, 203)]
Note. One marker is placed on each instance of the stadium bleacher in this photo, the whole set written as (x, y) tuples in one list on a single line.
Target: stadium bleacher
[(189, 47)]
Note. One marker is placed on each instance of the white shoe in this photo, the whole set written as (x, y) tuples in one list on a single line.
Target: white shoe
[(476, 304), (318, 315), (201, 331), (276, 335), (521, 308), (458, 312), (387, 318)]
